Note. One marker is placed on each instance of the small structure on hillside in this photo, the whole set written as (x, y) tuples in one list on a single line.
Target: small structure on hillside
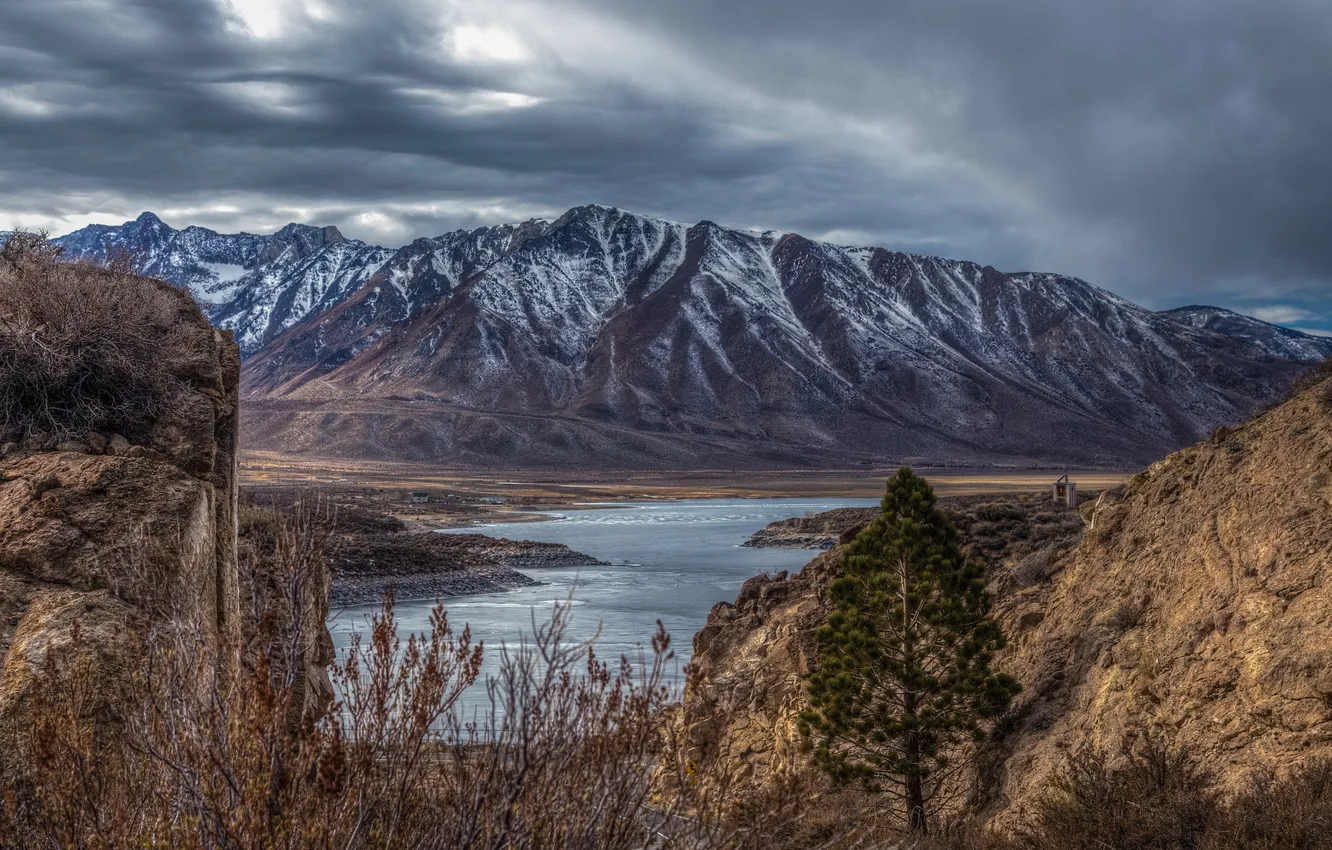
[(420, 498), (1065, 492)]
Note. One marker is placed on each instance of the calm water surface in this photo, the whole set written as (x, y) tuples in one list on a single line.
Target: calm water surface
[(671, 561)]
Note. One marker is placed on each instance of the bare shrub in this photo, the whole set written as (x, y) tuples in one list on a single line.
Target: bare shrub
[(196, 757), (220, 766), (1037, 567), (1294, 813), (1158, 798), (83, 347)]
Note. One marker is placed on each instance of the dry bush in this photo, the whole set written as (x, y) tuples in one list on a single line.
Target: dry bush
[(197, 758), (206, 763), (84, 347), (284, 598), (1156, 797), (568, 753), (1037, 567), (1294, 813)]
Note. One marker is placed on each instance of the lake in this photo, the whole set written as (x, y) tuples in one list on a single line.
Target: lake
[(671, 560)]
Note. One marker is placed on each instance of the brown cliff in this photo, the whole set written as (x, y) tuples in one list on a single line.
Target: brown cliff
[(104, 530), (1196, 607)]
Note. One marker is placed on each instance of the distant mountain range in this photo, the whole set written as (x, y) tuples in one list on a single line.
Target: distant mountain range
[(609, 339)]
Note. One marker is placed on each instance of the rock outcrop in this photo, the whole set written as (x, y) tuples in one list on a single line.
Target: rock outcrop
[(820, 531), (96, 532), (1197, 606)]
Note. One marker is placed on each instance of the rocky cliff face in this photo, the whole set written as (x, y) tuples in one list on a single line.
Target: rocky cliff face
[(1196, 606), (96, 532)]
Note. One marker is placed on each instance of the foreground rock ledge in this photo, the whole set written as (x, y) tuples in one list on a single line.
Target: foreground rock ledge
[(98, 538)]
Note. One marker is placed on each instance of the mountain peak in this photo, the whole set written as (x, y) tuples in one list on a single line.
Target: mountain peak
[(149, 221), (310, 235)]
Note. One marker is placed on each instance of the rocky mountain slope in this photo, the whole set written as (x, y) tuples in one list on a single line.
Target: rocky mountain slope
[(606, 338), (1195, 607), (253, 285)]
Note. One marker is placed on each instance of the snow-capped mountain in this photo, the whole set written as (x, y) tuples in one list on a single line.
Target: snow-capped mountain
[(613, 339), (1273, 338), (255, 285)]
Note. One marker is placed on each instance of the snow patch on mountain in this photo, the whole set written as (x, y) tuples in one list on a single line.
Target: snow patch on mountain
[(667, 328)]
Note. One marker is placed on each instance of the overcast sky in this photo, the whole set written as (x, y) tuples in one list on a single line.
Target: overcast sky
[(1173, 151)]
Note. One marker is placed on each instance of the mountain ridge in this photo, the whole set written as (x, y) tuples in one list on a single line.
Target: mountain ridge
[(768, 341)]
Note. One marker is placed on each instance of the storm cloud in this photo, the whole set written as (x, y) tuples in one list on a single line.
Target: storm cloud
[(1173, 151)]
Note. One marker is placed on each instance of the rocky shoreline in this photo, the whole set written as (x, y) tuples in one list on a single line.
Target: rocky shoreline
[(820, 531), (427, 566), (370, 552), (369, 590)]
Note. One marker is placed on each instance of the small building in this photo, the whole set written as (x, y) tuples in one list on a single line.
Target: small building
[(494, 500), (1065, 492), (420, 498)]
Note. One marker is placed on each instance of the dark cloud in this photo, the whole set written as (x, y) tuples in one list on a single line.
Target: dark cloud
[(1172, 150)]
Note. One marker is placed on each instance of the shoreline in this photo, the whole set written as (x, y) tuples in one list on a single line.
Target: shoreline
[(475, 500), (360, 591), (544, 488)]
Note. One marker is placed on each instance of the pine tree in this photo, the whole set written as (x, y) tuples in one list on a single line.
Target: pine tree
[(904, 683)]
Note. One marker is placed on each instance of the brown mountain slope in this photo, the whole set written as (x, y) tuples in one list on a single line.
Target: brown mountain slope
[(612, 340), (1197, 606)]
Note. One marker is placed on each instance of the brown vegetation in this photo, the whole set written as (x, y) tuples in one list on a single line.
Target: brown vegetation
[(569, 751), (1156, 796), (85, 348)]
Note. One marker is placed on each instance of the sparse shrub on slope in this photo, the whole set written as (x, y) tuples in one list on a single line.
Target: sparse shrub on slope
[(84, 347), (1158, 797), (1157, 800)]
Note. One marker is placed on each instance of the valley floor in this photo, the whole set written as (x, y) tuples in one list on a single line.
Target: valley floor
[(523, 491)]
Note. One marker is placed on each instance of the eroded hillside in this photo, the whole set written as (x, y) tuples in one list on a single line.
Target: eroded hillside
[(1196, 608)]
